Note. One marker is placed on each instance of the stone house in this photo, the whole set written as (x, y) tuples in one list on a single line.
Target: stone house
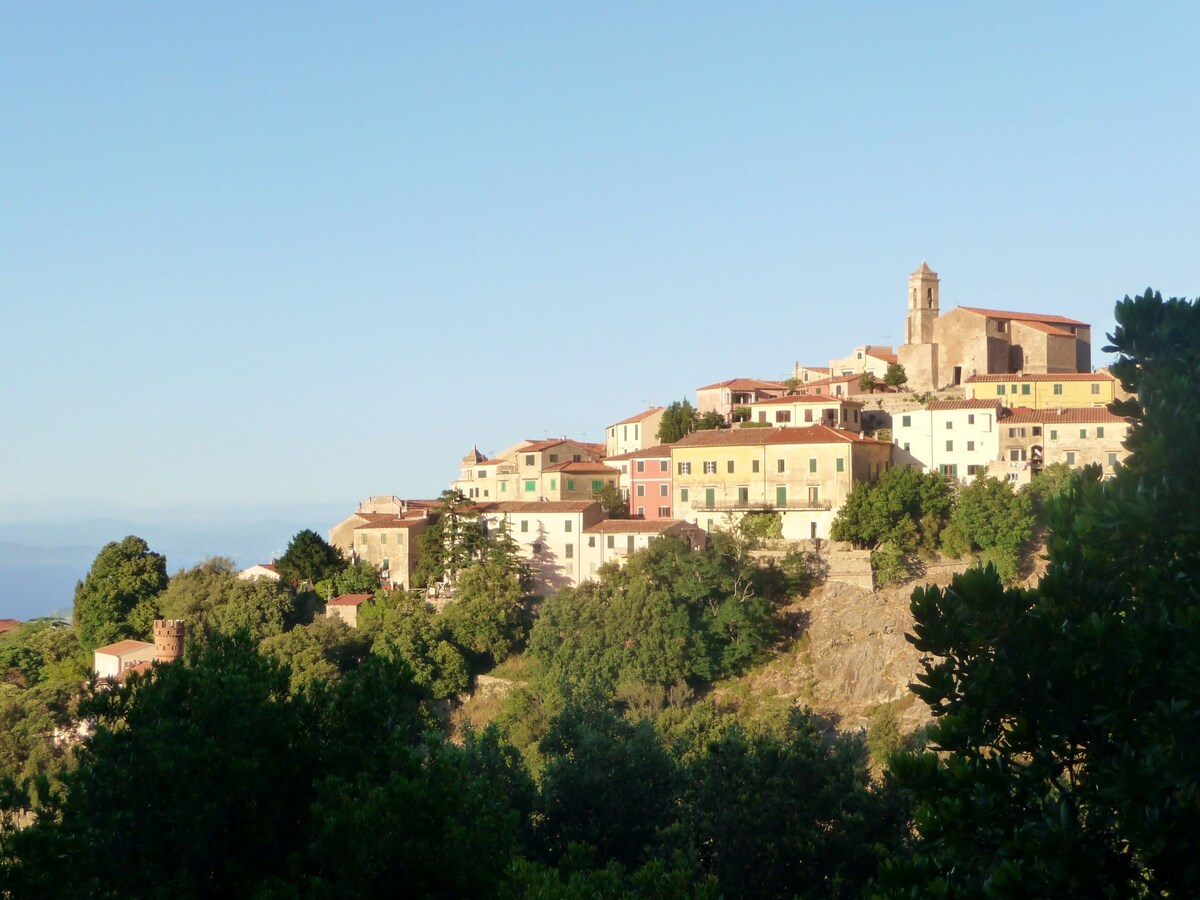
[(483, 479), (1032, 439), (389, 539), (867, 358), (346, 607)]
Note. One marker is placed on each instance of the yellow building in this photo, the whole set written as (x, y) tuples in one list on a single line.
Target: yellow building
[(804, 474), (798, 410), (577, 480), (1046, 391)]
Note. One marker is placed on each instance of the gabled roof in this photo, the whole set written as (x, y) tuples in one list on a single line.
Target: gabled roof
[(120, 648), (632, 526), (1075, 415), (749, 437), (350, 600), (823, 399), (1101, 375), (658, 451), (583, 468), (388, 520), (1022, 316), (639, 417), (538, 506), (939, 405), (745, 384)]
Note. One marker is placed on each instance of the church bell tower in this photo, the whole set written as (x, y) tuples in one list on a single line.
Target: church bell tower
[(922, 305)]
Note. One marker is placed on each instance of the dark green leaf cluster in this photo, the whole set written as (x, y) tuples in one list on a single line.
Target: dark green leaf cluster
[(309, 558), (678, 420), (904, 507), (116, 599)]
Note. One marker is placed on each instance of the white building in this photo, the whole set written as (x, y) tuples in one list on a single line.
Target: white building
[(958, 438)]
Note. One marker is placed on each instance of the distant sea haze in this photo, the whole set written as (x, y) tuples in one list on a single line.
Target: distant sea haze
[(40, 562)]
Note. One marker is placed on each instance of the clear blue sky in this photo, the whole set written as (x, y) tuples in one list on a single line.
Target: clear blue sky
[(265, 254)]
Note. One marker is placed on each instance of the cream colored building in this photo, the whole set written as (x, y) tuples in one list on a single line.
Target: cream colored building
[(577, 480), (635, 433), (483, 479), (798, 410), (259, 570), (389, 539), (1033, 439), (958, 438), (804, 474), (111, 660), (550, 535), (533, 457), (614, 540), (1046, 391), (867, 358), (945, 350)]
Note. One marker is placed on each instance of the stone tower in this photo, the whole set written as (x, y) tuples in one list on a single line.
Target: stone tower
[(168, 640), (922, 305)]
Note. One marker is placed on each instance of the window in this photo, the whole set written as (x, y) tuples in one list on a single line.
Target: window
[(576, 458), (975, 470), (1083, 432), (641, 465), (1016, 432), (504, 487), (949, 425), (1053, 434), (710, 467), (1016, 454), (1112, 459), (743, 495), (524, 525), (906, 421), (362, 539), (783, 415), (567, 526), (906, 447), (1025, 390), (664, 490), (1037, 430), (999, 393), (554, 484), (841, 464), (1058, 390), (383, 538), (553, 457), (814, 495), (641, 511), (1099, 431), (948, 471), (808, 415), (780, 466), (683, 495), (664, 465), (1095, 389), (530, 459), (591, 540), (781, 495), (754, 466), (641, 490), (729, 467), (1070, 458), (570, 551), (971, 419), (530, 487), (387, 565), (812, 466), (570, 484), (685, 468), (949, 446), (970, 446), (597, 485), (664, 512), (611, 542)]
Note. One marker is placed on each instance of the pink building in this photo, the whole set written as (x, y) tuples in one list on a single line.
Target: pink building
[(727, 397), (646, 475)]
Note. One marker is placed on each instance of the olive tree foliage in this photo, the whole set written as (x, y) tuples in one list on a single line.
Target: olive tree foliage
[(117, 597), (1067, 716), (904, 507)]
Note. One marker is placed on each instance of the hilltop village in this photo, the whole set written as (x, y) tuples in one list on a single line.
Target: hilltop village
[(972, 390)]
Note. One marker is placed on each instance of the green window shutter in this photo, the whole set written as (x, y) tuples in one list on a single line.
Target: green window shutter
[(597, 485), (1083, 432), (841, 465), (1024, 389), (554, 484), (570, 484), (1053, 434), (999, 390), (530, 486), (906, 421), (781, 495), (504, 487), (683, 495), (812, 465), (1099, 432)]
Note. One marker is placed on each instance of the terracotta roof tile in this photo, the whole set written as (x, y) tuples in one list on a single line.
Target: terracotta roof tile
[(639, 417), (884, 353), (807, 398), (537, 506), (350, 600), (938, 405), (1022, 316), (1046, 329), (813, 434), (583, 468), (126, 646), (659, 451), (1101, 375), (1076, 415), (632, 526), (388, 520), (744, 384)]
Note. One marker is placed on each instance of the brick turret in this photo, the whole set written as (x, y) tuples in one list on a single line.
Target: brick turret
[(168, 640)]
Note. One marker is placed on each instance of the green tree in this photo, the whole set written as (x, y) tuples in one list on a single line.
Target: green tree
[(895, 375), (261, 608), (609, 497), (1066, 716), (679, 419), (487, 615), (124, 576), (711, 421), (316, 653), (867, 383), (357, 578), (193, 593), (309, 558), (989, 516), (905, 507), (410, 634), (455, 540)]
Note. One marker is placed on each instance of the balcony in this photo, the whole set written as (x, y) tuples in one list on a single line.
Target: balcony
[(700, 504)]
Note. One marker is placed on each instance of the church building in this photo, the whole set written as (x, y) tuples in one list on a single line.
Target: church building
[(944, 350)]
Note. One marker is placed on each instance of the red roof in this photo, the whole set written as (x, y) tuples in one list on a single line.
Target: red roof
[(884, 353), (8, 624), (632, 526), (583, 468), (538, 506), (1022, 316), (937, 405), (659, 451), (1102, 375), (745, 384), (741, 437), (388, 520), (1077, 415), (639, 417), (807, 398), (350, 600)]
